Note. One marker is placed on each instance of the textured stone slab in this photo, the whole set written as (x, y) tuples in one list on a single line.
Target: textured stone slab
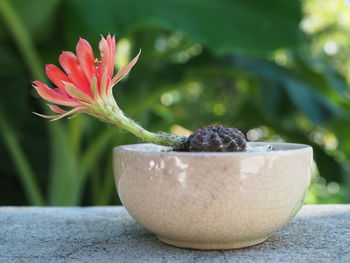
[(108, 234)]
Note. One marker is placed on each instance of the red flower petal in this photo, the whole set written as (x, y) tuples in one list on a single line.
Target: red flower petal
[(86, 58), (56, 75), (46, 116), (50, 95), (104, 84), (62, 92), (105, 58), (60, 116), (124, 70), (71, 66), (56, 109), (76, 93), (111, 46)]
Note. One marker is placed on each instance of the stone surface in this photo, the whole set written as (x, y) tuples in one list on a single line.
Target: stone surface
[(108, 234)]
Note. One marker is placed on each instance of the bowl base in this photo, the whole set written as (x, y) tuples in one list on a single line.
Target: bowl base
[(211, 245)]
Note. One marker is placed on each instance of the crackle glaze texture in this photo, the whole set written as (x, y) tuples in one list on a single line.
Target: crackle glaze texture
[(212, 200)]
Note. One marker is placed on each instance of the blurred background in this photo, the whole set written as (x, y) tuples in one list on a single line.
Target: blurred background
[(278, 70)]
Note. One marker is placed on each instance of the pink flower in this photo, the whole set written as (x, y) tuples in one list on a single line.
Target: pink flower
[(85, 83)]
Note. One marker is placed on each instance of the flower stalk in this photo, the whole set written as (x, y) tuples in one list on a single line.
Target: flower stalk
[(131, 126)]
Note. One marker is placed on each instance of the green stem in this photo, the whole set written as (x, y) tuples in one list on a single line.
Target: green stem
[(113, 114), (24, 170)]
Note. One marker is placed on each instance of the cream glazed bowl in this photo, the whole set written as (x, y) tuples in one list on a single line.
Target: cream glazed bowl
[(212, 200)]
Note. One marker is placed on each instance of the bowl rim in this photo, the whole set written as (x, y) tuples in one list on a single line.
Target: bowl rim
[(135, 148)]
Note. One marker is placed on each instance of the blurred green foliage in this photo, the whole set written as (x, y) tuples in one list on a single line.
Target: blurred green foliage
[(276, 69)]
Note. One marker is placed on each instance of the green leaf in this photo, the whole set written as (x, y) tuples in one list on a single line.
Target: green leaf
[(337, 81), (92, 155), (37, 14), (327, 166), (108, 186), (64, 178), (224, 26), (306, 97), (317, 107), (25, 172), (325, 77)]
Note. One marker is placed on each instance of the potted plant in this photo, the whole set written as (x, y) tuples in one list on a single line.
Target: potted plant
[(211, 190)]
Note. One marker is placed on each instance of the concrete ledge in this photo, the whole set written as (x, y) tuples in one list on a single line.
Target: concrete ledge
[(319, 233)]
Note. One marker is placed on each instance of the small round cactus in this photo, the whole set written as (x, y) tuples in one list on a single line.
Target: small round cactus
[(216, 139)]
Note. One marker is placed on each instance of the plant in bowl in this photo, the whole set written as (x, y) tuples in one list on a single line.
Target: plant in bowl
[(211, 190)]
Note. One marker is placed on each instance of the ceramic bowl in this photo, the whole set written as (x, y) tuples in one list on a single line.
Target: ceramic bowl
[(212, 200)]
